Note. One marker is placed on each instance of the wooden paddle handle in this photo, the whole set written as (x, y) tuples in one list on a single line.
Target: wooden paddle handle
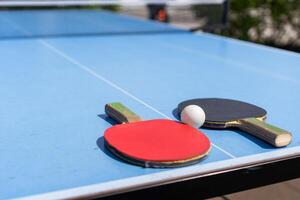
[(121, 113), (269, 133)]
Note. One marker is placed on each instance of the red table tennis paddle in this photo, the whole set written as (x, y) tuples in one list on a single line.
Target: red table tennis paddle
[(228, 113), (153, 143)]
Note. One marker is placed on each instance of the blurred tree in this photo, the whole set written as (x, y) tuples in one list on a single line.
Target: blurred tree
[(271, 22)]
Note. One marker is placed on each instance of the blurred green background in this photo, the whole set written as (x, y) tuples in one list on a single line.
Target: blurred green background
[(270, 22)]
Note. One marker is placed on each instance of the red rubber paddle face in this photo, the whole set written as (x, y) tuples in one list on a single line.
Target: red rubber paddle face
[(157, 140)]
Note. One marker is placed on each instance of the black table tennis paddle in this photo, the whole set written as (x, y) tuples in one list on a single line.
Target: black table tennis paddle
[(228, 113)]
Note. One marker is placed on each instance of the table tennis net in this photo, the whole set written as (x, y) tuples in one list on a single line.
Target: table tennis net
[(16, 24)]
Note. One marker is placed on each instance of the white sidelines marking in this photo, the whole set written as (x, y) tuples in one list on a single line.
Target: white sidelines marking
[(232, 63), (102, 78), (226, 152), (169, 176), (249, 44), (161, 177), (16, 26), (98, 76)]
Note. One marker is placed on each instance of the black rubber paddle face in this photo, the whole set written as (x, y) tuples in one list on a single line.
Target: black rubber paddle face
[(222, 111)]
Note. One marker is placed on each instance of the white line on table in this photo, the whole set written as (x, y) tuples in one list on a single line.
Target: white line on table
[(98, 76)]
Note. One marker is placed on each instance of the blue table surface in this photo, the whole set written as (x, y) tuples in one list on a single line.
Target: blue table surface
[(53, 91)]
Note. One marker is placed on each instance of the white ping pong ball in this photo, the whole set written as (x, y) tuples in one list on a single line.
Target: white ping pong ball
[(193, 115)]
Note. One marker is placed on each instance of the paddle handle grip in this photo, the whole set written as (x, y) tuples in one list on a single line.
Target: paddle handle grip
[(121, 113), (269, 133)]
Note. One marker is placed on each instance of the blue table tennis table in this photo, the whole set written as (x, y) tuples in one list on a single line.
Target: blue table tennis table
[(60, 67)]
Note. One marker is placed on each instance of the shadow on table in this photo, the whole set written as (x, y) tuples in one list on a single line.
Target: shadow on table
[(101, 142), (255, 140), (107, 119)]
